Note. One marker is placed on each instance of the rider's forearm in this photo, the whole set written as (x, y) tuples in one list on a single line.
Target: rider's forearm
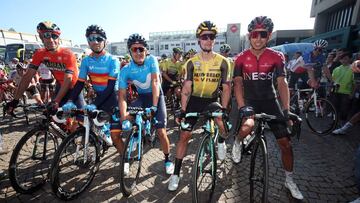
[(166, 77), (185, 94), (122, 104), (284, 92), (225, 96), (64, 88), (24, 83), (155, 84), (239, 92)]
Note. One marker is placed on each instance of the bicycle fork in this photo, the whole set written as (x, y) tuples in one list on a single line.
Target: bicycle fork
[(86, 144)]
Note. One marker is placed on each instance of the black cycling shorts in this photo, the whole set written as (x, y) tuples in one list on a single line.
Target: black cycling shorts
[(271, 107), (196, 104), (32, 90)]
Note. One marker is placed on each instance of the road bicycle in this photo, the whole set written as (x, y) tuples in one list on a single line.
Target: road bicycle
[(142, 131), (78, 158), (31, 159), (320, 114)]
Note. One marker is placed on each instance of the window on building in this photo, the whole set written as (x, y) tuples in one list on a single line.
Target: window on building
[(193, 44), (222, 42), (161, 47), (166, 46), (177, 45), (187, 44), (172, 45)]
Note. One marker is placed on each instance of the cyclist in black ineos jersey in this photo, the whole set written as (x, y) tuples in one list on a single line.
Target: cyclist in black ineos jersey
[(254, 91)]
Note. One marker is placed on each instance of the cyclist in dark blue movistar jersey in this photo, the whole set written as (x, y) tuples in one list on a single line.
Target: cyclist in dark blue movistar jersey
[(143, 71), (102, 69)]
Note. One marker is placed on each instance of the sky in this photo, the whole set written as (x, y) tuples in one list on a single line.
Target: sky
[(122, 18)]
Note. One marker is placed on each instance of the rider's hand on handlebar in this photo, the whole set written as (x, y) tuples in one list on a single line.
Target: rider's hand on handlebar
[(90, 107), (69, 106)]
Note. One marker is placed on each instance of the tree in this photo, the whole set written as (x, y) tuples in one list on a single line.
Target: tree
[(12, 29)]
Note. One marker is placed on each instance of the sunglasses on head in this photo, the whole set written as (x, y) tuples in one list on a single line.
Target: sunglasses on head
[(207, 36), (48, 35), (256, 34), (137, 49), (95, 38)]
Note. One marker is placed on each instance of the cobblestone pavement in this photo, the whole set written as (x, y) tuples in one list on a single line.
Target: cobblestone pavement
[(324, 169)]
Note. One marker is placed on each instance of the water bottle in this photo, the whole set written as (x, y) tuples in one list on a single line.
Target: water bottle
[(106, 133)]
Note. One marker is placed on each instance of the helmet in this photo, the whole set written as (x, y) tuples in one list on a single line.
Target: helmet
[(320, 43), (261, 22), (48, 26), (95, 29), (21, 66), (225, 48), (177, 50), (136, 39), (163, 56), (192, 51), (206, 26), (127, 57)]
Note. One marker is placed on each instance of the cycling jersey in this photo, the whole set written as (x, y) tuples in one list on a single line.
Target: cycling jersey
[(316, 62), (100, 70), (140, 76), (206, 76), (258, 73), (171, 68), (45, 73), (60, 62)]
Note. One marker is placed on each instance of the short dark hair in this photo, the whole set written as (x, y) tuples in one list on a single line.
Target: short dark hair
[(298, 52)]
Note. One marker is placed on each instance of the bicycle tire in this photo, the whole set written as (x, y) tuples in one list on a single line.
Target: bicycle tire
[(39, 178), (128, 181), (206, 147), (326, 121), (260, 177), (72, 143)]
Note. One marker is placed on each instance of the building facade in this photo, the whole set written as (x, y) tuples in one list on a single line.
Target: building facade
[(338, 22), (163, 42)]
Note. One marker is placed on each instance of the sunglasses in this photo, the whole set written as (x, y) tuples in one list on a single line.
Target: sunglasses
[(95, 38), (137, 49), (256, 34), (207, 36), (48, 35)]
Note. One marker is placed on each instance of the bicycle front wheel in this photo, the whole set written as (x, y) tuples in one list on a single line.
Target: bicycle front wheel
[(31, 159), (259, 172), (130, 165), (74, 165), (204, 173), (321, 117)]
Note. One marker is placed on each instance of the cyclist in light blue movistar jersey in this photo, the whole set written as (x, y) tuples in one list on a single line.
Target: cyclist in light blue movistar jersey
[(103, 70), (143, 71)]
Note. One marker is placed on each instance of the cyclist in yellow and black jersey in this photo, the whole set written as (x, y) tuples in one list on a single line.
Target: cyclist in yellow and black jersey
[(171, 72), (203, 75)]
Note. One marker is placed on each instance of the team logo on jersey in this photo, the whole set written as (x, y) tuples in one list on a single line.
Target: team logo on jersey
[(59, 58), (144, 85), (258, 76), (197, 64)]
